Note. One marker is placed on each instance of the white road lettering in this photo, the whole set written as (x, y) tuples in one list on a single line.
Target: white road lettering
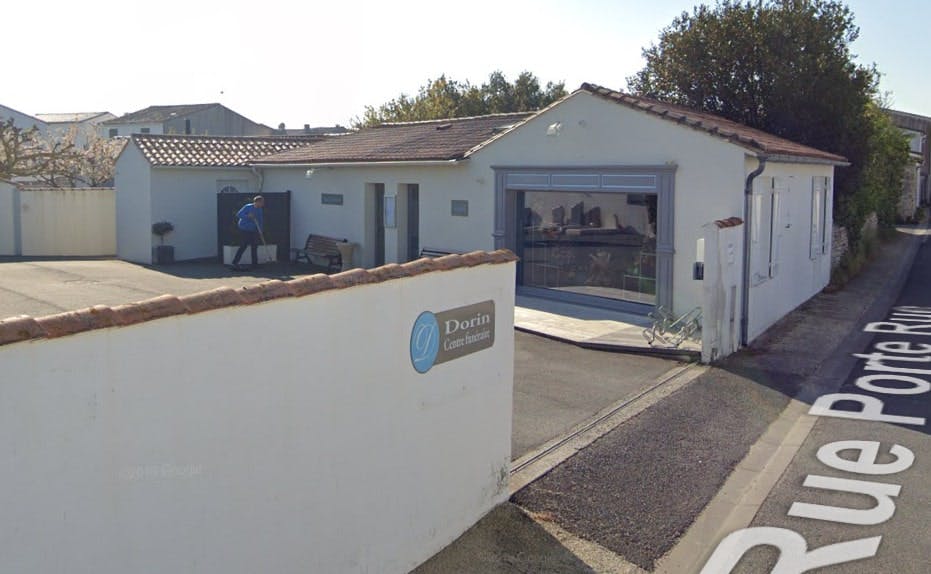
[(866, 461), (881, 493), (872, 409), (794, 557)]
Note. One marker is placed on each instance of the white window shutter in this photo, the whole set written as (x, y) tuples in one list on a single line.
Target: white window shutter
[(779, 218), (816, 247), (826, 223)]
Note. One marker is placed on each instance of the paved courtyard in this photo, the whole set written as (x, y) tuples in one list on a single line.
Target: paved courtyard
[(45, 286)]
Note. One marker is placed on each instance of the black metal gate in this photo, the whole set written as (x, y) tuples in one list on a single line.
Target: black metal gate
[(277, 217)]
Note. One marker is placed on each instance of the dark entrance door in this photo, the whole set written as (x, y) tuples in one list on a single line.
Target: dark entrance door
[(379, 224), (413, 221), (277, 218)]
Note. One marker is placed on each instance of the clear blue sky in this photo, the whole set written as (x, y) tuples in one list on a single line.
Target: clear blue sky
[(322, 63)]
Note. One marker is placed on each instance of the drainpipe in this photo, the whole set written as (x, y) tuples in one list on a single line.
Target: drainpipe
[(748, 216), (259, 175)]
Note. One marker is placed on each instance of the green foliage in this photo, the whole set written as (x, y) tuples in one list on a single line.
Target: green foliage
[(56, 160), (162, 228), (888, 154), (785, 67), (25, 153), (446, 98)]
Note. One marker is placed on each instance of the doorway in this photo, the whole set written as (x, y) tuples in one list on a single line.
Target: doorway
[(413, 221), (379, 229)]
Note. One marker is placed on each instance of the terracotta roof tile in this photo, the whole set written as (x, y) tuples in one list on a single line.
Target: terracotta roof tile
[(264, 291), (19, 328), (312, 284), (214, 151), (24, 328), (213, 299), (70, 322), (435, 140), (734, 132), (155, 308)]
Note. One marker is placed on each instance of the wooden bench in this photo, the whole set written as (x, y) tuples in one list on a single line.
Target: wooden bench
[(323, 247), (433, 252)]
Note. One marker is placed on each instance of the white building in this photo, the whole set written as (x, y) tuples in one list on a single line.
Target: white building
[(195, 119), (21, 120), (177, 178), (606, 198), (83, 125)]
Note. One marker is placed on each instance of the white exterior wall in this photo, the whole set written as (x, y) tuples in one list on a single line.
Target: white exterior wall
[(188, 199), (595, 132), (189, 444), (128, 129), (22, 120), (798, 277), (438, 185), (68, 222), (7, 221), (708, 181), (133, 206)]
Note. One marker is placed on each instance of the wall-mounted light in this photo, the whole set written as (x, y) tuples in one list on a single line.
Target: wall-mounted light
[(554, 128), (309, 173)]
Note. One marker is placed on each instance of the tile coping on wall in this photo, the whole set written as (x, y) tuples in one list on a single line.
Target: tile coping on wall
[(24, 327)]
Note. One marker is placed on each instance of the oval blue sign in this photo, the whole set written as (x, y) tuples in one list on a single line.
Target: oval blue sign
[(425, 342)]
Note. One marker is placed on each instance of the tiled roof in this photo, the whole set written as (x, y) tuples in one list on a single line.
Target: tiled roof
[(68, 118), (734, 132), (213, 151), (315, 131), (24, 328), (434, 140), (909, 121), (158, 114)]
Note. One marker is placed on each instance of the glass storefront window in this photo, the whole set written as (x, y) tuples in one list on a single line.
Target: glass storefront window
[(598, 244)]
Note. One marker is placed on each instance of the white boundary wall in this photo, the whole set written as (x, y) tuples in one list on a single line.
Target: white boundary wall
[(7, 221), (68, 221), (288, 436)]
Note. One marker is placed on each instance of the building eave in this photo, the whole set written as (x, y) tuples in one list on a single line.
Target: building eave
[(389, 163)]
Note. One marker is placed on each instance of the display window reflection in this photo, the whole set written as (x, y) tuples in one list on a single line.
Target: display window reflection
[(598, 244)]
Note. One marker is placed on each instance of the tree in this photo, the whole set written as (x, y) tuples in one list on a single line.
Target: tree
[(445, 98), (24, 152), (57, 161), (782, 66)]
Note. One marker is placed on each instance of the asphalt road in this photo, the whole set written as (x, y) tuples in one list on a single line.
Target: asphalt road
[(558, 385), (905, 546)]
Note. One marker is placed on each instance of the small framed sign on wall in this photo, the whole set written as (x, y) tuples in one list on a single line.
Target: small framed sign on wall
[(331, 198)]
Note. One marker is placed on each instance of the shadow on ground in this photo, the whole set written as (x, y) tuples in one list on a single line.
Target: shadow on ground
[(212, 269), (506, 541)]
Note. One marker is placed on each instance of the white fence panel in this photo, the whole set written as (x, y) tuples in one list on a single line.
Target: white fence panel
[(68, 221)]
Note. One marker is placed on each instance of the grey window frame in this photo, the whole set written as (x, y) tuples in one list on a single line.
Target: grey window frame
[(657, 180)]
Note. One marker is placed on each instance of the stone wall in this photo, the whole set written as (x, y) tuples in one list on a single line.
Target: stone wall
[(840, 242), (839, 245)]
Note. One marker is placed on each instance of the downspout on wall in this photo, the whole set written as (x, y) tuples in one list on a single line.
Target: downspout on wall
[(259, 176), (748, 222)]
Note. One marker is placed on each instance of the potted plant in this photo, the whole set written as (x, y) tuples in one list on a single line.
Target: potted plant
[(162, 253)]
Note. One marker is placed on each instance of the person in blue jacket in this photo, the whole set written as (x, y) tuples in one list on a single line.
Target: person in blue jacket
[(249, 222)]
